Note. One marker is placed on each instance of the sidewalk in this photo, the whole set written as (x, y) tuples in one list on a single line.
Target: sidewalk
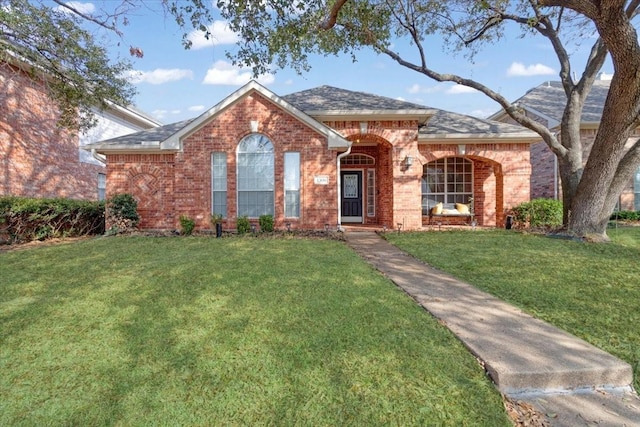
[(529, 360)]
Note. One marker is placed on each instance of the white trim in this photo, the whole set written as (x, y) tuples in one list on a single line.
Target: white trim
[(421, 116), (468, 138)]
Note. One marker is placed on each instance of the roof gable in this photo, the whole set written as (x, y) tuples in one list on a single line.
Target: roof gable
[(335, 140), (548, 100)]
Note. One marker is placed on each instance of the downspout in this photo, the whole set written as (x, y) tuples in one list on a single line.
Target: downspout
[(339, 181)]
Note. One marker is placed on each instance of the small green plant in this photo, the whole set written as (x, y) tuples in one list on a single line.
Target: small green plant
[(266, 223), (216, 219), (544, 213), (187, 225), (243, 225)]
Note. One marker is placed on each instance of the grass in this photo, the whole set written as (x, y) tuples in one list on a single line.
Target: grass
[(589, 290), (202, 331)]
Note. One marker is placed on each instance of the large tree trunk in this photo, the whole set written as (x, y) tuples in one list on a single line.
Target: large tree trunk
[(604, 174)]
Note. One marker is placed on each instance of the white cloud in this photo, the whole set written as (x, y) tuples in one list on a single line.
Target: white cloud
[(416, 88), (163, 114), (224, 73), (445, 88), (458, 89), (482, 113), (220, 34), (160, 76), (84, 8), (518, 69), (196, 108)]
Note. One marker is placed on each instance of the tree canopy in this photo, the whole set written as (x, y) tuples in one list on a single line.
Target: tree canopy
[(279, 33), (53, 42)]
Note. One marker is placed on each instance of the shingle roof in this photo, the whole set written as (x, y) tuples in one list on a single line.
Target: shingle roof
[(157, 134), (549, 99), (446, 122), (329, 98)]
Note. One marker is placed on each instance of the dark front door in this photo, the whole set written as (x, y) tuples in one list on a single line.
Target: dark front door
[(351, 196)]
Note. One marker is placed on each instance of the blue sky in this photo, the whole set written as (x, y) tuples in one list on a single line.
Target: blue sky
[(175, 84)]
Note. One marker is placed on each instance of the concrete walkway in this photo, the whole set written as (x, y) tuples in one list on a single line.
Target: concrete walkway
[(529, 360)]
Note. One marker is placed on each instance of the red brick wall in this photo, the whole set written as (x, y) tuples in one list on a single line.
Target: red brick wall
[(180, 184), (171, 185), (36, 158), (501, 176)]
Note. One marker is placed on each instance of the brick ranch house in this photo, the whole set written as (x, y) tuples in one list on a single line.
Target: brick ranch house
[(545, 103), (316, 157), (39, 159)]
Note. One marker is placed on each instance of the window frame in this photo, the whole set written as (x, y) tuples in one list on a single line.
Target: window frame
[(214, 181), (447, 177), (292, 159), (266, 148)]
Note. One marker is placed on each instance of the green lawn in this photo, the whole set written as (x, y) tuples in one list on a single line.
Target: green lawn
[(590, 290), (204, 331)]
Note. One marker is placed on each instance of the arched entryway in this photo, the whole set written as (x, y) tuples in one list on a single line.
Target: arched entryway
[(367, 182)]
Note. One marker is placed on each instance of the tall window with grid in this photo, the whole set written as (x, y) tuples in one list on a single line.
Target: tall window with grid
[(255, 176)]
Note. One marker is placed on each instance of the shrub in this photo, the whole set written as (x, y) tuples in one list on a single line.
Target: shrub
[(26, 219), (626, 216), (216, 219), (243, 225), (266, 223), (538, 213), (122, 213), (187, 225)]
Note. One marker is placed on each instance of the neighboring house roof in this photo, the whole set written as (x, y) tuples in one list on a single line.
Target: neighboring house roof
[(548, 101), (132, 115)]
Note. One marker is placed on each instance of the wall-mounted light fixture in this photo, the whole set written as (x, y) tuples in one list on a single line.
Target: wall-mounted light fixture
[(408, 161), (462, 149), (254, 125), (364, 126)]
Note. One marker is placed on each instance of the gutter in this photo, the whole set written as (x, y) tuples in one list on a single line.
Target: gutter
[(99, 157), (339, 182)]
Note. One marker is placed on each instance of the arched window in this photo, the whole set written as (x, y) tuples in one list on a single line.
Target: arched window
[(358, 159), (448, 180), (255, 176)]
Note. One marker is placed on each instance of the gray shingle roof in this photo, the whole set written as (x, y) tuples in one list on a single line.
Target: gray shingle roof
[(446, 122), (157, 134), (549, 99), (329, 98)]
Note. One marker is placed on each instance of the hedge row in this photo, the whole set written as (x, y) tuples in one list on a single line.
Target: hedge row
[(626, 216), (26, 219)]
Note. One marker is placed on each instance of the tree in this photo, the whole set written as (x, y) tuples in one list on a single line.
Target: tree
[(53, 45), (278, 33)]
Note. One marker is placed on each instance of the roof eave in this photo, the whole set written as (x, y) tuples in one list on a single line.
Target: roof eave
[(148, 147), (503, 138), (421, 116)]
